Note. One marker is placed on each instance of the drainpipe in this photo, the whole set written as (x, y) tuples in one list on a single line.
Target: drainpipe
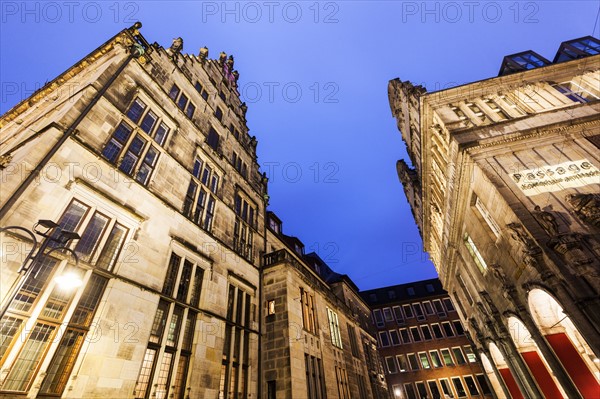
[(135, 51)]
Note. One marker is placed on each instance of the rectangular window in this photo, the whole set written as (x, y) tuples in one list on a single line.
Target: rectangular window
[(181, 103), (485, 214), (471, 385), (190, 109), (449, 305), (334, 328), (213, 139), (458, 327), (219, 114), (174, 92), (408, 311), (394, 337), (405, 335), (424, 360), (421, 390), (402, 363), (445, 384), (418, 311), (412, 361), (117, 141), (470, 354), (428, 308), (136, 110), (353, 342), (448, 329), (437, 304), (391, 365), (398, 314), (426, 332), (414, 332), (378, 317), (147, 166), (437, 331), (458, 385), (387, 313), (458, 355), (243, 226), (309, 315), (435, 358), (435, 391), (475, 254), (28, 360), (447, 357), (483, 384), (384, 338), (410, 391)]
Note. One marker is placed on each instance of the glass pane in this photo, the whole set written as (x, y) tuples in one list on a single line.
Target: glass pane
[(25, 298), (112, 247), (145, 372), (135, 111), (188, 335), (29, 358), (128, 163), (111, 151), (175, 326), (143, 174), (122, 132), (171, 274), (471, 386), (180, 378), (62, 362), (59, 299), (161, 134), (137, 145), (164, 374), (9, 326), (184, 280), (148, 122), (91, 236), (182, 101), (84, 312), (160, 320), (174, 92), (189, 111), (197, 287)]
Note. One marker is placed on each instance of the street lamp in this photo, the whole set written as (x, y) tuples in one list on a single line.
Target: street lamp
[(52, 232)]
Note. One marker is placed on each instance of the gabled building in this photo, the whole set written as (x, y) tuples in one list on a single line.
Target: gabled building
[(318, 341), (140, 156), (504, 183)]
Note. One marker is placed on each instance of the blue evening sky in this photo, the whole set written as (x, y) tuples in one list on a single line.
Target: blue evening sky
[(314, 75)]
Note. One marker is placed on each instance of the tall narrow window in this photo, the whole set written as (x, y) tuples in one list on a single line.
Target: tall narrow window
[(334, 328), (477, 258)]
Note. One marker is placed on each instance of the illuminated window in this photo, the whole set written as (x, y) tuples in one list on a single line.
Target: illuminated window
[(487, 217), (435, 358), (390, 361), (477, 258)]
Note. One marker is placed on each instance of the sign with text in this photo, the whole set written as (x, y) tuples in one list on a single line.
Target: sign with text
[(552, 178)]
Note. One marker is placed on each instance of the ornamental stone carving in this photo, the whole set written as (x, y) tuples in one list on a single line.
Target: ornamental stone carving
[(518, 233), (586, 207), (547, 220), (176, 47)]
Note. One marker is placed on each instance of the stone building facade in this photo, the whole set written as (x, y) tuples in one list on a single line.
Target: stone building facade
[(425, 351), (144, 152), (318, 342), (504, 184)]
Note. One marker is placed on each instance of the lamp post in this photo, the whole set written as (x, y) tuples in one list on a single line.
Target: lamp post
[(51, 232)]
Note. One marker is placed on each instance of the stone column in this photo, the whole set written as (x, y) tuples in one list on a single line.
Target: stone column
[(496, 373)]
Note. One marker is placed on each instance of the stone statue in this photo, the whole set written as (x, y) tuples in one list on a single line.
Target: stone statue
[(546, 220), (518, 233), (230, 62), (236, 75), (176, 47), (203, 53), (586, 207), (499, 274), (222, 58)]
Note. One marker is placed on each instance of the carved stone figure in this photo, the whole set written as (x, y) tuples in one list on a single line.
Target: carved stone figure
[(176, 47), (518, 233), (203, 53), (230, 62), (586, 207), (222, 58), (499, 274), (546, 220), (236, 75)]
